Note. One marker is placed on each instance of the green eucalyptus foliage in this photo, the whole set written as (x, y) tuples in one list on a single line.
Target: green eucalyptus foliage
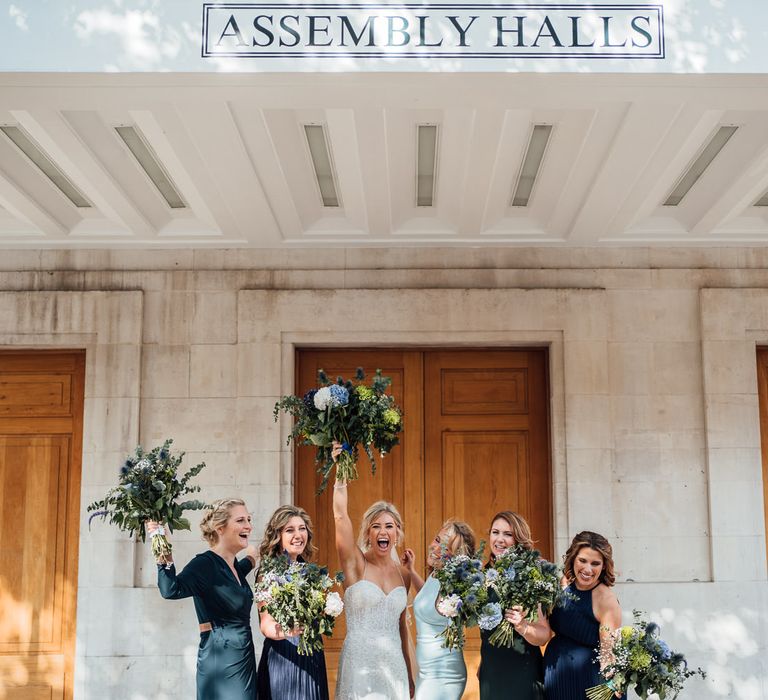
[(150, 489)]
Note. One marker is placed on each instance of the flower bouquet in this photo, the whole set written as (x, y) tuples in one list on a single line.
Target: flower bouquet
[(354, 415), (638, 658), (150, 489), (462, 597), (298, 595), (521, 577)]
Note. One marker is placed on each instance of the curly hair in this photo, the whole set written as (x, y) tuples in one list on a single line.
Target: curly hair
[(601, 546), (370, 515), (271, 544), (216, 516), (521, 530)]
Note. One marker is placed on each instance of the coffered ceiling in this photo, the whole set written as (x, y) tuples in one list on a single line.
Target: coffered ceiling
[(235, 148)]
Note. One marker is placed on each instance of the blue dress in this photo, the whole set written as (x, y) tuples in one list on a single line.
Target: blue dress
[(570, 659), (442, 672), (226, 661), (284, 674)]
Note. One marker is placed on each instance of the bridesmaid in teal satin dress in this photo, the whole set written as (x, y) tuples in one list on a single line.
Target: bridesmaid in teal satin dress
[(442, 672)]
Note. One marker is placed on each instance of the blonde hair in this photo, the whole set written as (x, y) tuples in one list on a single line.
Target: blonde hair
[(373, 512), (521, 531), (271, 544), (216, 516), (460, 539)]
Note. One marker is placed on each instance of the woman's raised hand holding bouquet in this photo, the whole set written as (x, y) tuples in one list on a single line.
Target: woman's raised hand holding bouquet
[(354, 415), (150, 489), (298, 596), (639, 659), (522, 581)]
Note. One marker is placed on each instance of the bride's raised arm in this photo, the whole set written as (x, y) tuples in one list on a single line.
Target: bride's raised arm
[(348, 551)]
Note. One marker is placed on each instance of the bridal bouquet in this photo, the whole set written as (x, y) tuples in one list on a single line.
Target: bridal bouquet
[(299, 594), (150, 489), (462, 597), (521, 577), (355, 415), (638, 658)]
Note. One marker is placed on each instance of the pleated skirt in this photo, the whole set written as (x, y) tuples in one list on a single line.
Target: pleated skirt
[(285, 674)]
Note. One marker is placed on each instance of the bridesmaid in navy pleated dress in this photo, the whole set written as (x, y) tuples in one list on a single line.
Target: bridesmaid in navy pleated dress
[(284, 674), (585, 620), (215, 579)]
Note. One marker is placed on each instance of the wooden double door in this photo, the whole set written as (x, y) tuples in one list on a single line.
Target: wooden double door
[(41, 417), (475, 441)]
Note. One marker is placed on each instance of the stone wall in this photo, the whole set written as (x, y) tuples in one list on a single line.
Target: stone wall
[(655, 434)]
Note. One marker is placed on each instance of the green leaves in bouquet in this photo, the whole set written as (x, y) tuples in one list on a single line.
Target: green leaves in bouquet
[(149, 488), (356, 415)]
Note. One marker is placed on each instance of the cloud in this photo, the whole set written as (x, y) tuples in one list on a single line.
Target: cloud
[(143, 40), (19, 16)]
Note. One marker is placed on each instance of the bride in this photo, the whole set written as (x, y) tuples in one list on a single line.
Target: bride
[(374, 663)]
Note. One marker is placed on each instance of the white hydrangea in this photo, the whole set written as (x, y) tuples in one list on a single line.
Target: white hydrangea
[(144, 464), (322, 398), (449, 606), (334, 604)]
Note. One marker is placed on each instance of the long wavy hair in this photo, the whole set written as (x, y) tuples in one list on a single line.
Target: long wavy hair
[(600, 545), (370, 515), (271, 545), (216, 516)]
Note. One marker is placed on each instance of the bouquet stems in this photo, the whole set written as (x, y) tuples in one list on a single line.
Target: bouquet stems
[(346, 467), (503, 635), (604, 691), (161, 547), (453, 636)]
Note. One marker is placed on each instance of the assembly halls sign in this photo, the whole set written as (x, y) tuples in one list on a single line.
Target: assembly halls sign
[(471, 30)]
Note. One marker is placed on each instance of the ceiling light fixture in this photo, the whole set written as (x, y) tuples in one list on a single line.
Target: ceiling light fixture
[(426, 164), (151, 165), (696, 169), (52, 171), (529, 170), (322, 164)]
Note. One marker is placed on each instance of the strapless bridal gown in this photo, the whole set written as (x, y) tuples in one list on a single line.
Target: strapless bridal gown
[(372, 666)]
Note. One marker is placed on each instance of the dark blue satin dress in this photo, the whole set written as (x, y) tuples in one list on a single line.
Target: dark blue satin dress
[(226, 660), (284, 674), (570, 665)]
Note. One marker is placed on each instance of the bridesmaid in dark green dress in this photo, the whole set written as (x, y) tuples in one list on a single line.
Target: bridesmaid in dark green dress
[(284, 674), (514, 673), (215, 579)]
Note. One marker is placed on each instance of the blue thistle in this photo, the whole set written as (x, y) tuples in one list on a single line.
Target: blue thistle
[(309, 399), (359, 374)]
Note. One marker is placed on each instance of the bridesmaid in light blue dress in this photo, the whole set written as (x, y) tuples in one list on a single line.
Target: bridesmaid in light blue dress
[(442, 672)]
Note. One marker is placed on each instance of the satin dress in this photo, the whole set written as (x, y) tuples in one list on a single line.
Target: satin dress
[(510, 673), (226, 661), (569, 662), (442, 672)]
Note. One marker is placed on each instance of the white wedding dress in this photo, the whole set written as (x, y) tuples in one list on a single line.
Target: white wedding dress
[(372, 666)]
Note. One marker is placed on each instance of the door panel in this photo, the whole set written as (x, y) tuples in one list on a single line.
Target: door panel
[(41, 407), (475, 441)]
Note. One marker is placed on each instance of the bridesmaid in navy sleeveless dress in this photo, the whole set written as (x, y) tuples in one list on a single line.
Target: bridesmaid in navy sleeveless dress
[(442, 672), (226, 661), (513, 673), (284, 674), (585, 620)]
